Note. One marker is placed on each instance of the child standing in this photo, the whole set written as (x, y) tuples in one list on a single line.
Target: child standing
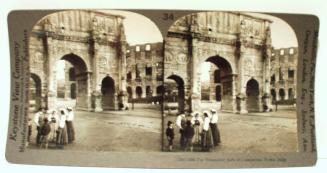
[(170, 134)]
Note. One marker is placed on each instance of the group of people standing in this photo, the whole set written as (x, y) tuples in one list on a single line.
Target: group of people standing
[(53, 127), (200, 129)]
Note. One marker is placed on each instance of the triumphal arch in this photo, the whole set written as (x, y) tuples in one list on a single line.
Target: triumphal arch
[(239, 45), (94, 43)]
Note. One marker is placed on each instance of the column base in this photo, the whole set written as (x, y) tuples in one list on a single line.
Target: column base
[(241, 104), (242, 112), (122, 101), (228, 104), (98, 109), (84, 103), (96, 101), (266, 103)]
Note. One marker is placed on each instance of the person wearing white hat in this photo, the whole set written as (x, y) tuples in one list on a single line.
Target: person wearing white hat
[(70, 125), (214, 127)]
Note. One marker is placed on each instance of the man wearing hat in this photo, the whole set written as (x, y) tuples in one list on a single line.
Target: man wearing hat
[(39, 120), (70, 125), (214, 127)]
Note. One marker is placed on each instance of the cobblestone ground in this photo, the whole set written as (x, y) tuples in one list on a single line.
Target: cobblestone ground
[(133, 130), (253, 132)]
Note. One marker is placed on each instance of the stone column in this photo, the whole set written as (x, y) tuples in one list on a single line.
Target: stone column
[(121, 48), (122, 96), (241, 104), (122, 66), (234, 83), (212, 92), (88, 92), (154, 80), (241, 87), (96, 101), (266, 100), (95, 86), (67, 83), (195, 93), (52, 85)]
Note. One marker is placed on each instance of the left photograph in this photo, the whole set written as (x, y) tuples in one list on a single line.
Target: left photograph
[(96, 82)]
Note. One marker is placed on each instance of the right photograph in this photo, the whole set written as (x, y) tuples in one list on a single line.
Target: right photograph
[(230, 84)]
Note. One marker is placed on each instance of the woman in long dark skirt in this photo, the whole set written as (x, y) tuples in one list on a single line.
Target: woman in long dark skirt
[(206, 137)]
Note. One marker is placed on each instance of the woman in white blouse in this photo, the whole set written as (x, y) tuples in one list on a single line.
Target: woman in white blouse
[(206, 138)]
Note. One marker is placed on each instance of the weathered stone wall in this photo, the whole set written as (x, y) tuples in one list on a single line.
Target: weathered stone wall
[(239, 44), (93, 42)]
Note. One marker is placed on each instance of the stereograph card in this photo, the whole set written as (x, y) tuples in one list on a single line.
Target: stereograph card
[(162, 88)]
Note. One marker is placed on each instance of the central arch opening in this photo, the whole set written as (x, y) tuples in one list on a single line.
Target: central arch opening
[(72, 81), (216, 83), (108, 93)]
